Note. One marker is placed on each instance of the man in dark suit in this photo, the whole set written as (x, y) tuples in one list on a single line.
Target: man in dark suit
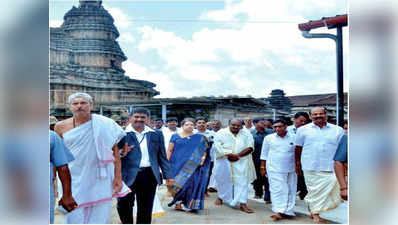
[(140, 167)]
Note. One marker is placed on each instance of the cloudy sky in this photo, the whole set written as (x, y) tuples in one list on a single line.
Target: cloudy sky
[(224, 47)]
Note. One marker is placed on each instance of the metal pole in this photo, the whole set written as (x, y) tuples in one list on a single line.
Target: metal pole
[(164, 112), (130, 109), (274, 112), (340, 83)]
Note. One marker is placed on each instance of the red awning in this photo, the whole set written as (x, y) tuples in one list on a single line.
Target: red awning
[(329, 22)]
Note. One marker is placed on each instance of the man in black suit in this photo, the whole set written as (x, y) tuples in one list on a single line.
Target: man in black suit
[(140, 167)]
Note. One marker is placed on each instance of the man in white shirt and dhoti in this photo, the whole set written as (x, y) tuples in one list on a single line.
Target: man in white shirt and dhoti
[(96, 170), (234, 169), (316, 145), (277, 162)]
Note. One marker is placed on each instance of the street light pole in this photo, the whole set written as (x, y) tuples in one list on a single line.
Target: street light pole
[(340, 83), (336, 22)]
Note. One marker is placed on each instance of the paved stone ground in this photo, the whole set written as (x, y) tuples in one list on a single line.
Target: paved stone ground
[(212, 214)]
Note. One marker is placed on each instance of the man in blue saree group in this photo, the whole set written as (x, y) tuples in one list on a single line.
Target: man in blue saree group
[(190, 162), (234, 168)]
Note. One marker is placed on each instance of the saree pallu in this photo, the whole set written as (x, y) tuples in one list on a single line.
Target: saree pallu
[(190, 177)]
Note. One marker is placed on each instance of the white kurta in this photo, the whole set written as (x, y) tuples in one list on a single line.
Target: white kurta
[(92, 171), (279, 155), (233, 178)]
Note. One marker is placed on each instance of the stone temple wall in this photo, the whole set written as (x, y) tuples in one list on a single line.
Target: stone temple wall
[(86, 57)]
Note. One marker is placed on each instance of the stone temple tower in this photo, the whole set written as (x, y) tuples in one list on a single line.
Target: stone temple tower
[(85, 56)]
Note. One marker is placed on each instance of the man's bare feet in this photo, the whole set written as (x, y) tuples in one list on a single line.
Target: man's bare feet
[(286, 216), (276, 217), (317, 219), (244, 208), (178, 207), (218, 201)]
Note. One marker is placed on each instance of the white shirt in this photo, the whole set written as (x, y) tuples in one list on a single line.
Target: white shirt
[(279, 153), (292, 129), (208, 133), (226, 142), (210, 137), (141, 137), (167, 133), (319, 145), (249, 130)]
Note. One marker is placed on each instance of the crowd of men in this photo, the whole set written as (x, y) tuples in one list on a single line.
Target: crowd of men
[(99, 158)]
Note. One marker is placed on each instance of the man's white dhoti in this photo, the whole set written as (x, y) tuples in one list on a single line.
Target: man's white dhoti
[(278, 153), (232, 193), (92, 171), (283, 187), (93, 214), (233, 178), (212, 182), (323, 191)]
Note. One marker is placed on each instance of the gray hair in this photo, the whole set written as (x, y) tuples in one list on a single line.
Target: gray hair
[(80, 95)]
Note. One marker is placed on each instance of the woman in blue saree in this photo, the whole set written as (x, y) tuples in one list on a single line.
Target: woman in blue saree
[(190, 162)]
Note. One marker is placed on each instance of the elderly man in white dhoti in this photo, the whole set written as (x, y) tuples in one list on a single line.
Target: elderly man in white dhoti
[(96, 171), (316, 145), (234, 169), (277, 161)]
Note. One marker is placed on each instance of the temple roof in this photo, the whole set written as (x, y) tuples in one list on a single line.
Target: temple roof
[(315, 100), (90, 15), (61, 41), (75, 36)]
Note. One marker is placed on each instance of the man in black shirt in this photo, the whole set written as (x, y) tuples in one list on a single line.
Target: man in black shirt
[(260, 185)]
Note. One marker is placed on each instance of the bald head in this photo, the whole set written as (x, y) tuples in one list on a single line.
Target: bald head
[(317, 109), (235, 125)]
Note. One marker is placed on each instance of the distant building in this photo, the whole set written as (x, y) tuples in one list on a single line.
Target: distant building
[(212, 108), (328, 101), (279, 101), (85, 56)]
